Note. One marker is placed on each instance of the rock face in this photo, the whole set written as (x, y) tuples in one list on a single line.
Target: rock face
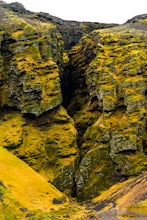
[(43, 143), (71, 31), (102, 83), (33, 124), (29, 55), (108, 71)]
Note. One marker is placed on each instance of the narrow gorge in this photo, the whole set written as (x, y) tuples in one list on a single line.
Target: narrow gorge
[(73, 108)]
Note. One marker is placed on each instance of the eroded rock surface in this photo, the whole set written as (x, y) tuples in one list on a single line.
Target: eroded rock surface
[(71, 31), (33, 124), (30, 51), (108, 104), (102, 83)]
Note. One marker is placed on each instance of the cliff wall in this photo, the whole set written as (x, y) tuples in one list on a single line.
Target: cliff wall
[(108, 104), (76, 115)]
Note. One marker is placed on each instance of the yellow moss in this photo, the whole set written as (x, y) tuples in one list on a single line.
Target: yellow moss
[(140, 207), (11, 131), (27, 189), (65, 58), (115, 79), (17, 34), (49, 147), (25, 185)]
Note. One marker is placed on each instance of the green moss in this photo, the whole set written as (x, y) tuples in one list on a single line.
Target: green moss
[(115, 75), (29, 30), (94, 173), (35, 49), (47, 144), (27, 194), (11, 131)]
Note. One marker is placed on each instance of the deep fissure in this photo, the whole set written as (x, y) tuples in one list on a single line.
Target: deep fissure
[(74, 89)]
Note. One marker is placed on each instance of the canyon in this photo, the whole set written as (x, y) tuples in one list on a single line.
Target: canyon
[(72, 117)]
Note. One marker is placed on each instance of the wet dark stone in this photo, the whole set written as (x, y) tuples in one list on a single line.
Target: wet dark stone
[(23, 209)]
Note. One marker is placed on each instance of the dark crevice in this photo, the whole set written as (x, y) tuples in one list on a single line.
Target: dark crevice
[(74, 189), (74, 89), (127, 152), (75, 94), (145, 146), (6, 52), (8, 109), (73, 83), (66, 86)]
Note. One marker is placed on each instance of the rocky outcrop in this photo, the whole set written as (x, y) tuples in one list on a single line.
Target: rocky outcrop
[(43, 143), (36, 128), (33, 124), (101, 82), (71, 31), (111, 121), (138, 18), (29, 54)]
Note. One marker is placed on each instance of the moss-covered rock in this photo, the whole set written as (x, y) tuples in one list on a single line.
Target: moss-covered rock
[(115, 78), (104, 90), (24, 194), (95, 168), (30, 53), (30, 62), (48, 144)]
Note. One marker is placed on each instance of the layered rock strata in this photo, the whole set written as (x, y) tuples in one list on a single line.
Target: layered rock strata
[(101, 82), (33, 125), (108, 71)]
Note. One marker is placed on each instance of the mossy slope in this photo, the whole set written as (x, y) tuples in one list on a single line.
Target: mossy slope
[(48, 143), (25, 194), (128, 198)]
